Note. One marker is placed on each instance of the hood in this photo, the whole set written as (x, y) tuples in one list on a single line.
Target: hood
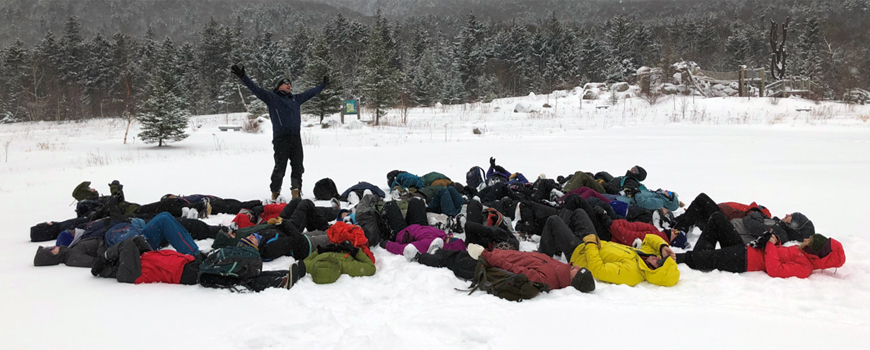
[(836, 258), (640, 176), (666, 275), (81, 192), (45, 258), (802, 224)]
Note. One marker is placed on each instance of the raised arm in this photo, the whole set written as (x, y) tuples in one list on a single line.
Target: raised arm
[(261, 93)]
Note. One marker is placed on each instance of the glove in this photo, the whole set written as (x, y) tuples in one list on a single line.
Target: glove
[(275, 221), (590, 238), (492, 162), (474, 250), (238, 71), (383, 243), (348, 247), (325, 80), (762, 240), (331, 247)]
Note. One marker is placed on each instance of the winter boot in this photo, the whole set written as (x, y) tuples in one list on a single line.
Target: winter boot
[(436, 244), (295, 193), (275, 195), (336, 204), (297, 270), (411, 252)]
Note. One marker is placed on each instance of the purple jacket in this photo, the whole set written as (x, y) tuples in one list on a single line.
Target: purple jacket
[(421, 237)]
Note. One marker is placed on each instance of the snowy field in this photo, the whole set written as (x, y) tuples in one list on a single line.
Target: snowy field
[(816, 162)]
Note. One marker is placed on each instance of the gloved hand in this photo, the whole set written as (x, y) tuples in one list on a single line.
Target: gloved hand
[(275, 221), (383, 243), (762, 240), (331, 247), (492, 162), (238, 71), (590, 238), (348, 247), (325, 80)]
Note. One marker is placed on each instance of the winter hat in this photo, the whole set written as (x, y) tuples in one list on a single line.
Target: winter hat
[(800, 222), (82, 192), (583, 281), (44, 257), (252, 240), (821, 246), (64, 239), (680, 241), (281, 80), (340, 212), (474, 250)]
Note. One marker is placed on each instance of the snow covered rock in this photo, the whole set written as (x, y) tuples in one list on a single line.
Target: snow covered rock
[(619, 87), (595, 86), (560, 93), (590, 94), (532, 94), (355, 124), (525, 107), (670, 89)]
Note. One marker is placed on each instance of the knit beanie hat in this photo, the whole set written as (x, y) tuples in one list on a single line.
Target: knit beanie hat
[(583, 281), (802, 224), (340, 212), (44, 257), (252, 240), (281, 80), (821, 246), (641, 173), (64, 239)]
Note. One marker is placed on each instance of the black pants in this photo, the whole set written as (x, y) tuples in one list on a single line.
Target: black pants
[(697, 214), (231, 206), (286, 148), (416, 214), (123, 260), (457, 261), (557, 234), (489, 236), (732, 255), (303, 214), (574, 202), (266, 279)]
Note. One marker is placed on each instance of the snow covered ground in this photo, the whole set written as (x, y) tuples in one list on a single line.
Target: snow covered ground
[(816, 162)]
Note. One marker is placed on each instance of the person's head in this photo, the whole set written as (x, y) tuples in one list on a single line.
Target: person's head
[(252, 240), (800, 223), (84, 191), (638, 172), (47, 256), (341, 214), (817, 245), (64, 239), (285, 85), (654, 262), (581, 279)]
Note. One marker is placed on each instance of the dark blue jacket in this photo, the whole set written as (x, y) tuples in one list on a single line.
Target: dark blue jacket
[(284, 109)]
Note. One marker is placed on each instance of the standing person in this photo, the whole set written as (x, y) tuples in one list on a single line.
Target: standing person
[(285, 113)]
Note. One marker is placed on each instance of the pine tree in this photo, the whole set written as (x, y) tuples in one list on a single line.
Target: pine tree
[(163, 118), (380, 82), (738, 47), (593, 59), (427, 81), (809, 51), (13, 75), (320, 64), (470, 56)]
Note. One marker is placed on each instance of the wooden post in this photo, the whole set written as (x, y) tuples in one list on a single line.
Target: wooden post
[(741, 90), (761, 92)]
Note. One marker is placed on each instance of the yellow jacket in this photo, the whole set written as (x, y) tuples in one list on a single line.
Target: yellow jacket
[(621, 264)]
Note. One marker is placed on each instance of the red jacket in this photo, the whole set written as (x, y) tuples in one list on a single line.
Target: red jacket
[(734, 210), (270, 211), (162, 266), (341, 231), (784, 262), (625, 232), (536, 266)]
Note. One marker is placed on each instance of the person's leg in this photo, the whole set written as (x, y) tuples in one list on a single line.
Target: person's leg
[(697, 213), (164, 226), (281, 147), (574, 202), (474, 212), (267, 279), (129, 261), (731, 259), (393, 217), (296, 168), (416, 213), (582, 179), (198, 229), (289, 208), (306, 215), (721, 230), (451, 201), (457, 261), (557, 234)]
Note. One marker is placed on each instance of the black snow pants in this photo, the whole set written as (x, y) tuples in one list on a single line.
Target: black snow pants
[(557, 234), (730, 257), (288, 147), (457, 261), (697, 214)]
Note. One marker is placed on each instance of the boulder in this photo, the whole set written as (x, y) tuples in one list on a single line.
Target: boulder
[(619, 87)]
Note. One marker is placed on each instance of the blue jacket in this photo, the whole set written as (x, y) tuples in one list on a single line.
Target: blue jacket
[(284, 110), (118, 233)]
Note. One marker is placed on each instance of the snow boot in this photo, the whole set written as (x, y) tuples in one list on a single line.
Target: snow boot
[(436, 244), (295, 193), (411, 252), (275, 196)]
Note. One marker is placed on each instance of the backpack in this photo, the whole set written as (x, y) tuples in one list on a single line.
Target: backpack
[(324, 189), (241, 262), (474, 177), (505, 284)]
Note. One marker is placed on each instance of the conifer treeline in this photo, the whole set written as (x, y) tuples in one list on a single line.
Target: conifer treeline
[(415, 61)]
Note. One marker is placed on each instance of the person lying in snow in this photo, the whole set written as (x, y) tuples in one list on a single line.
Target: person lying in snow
[(750, 223), (262, 214), (764, 254), (611, 262), (536, 266), (133, 261), (328, 263)]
